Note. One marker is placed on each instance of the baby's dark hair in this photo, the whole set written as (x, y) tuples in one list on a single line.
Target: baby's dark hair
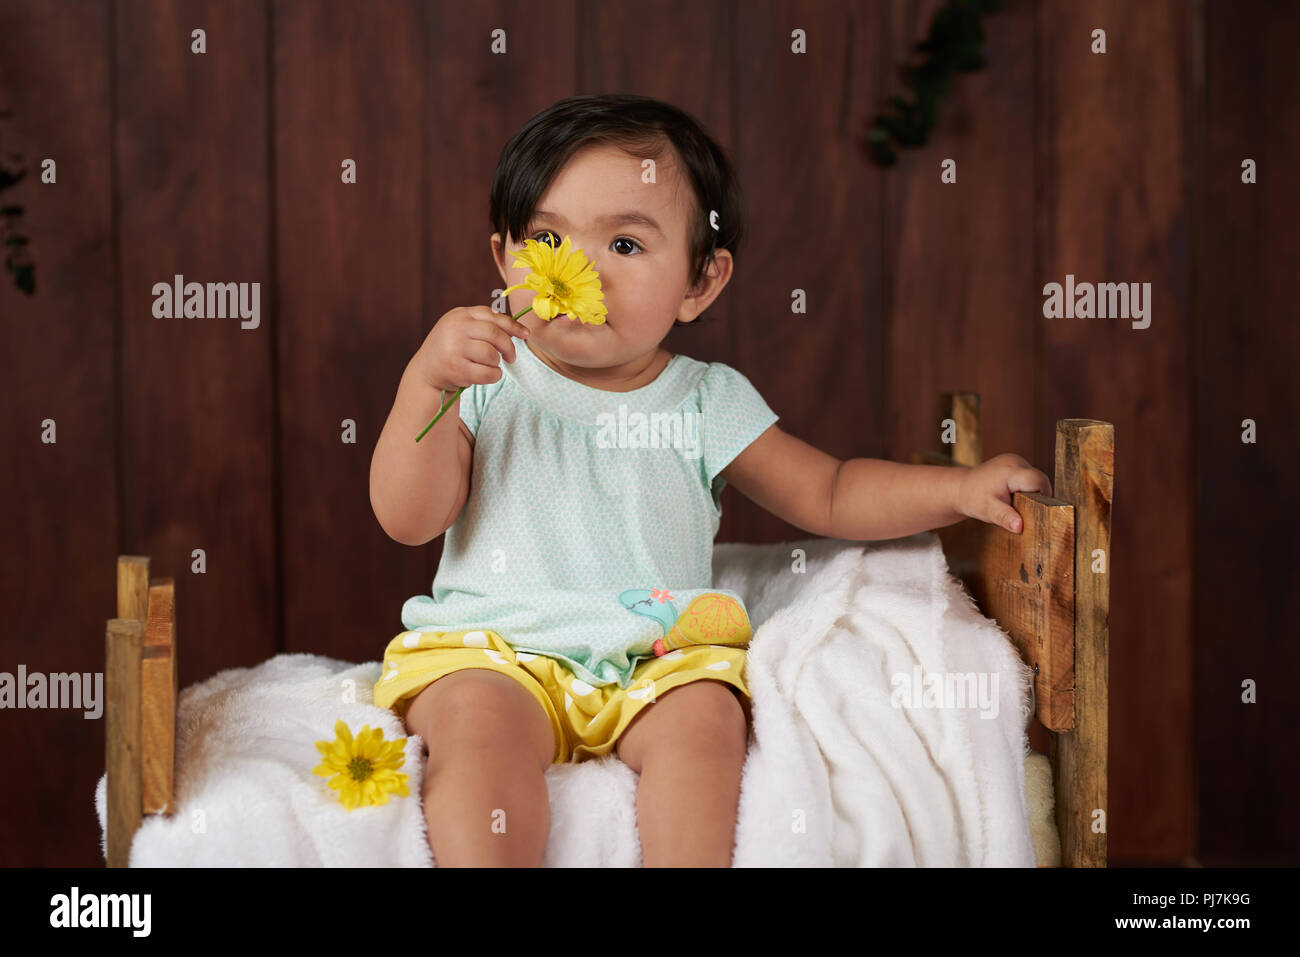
[(642, 126)]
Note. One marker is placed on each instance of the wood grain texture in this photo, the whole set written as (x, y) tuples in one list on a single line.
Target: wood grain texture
[(58, 501), (141, 692), (1247, 345), (348, 84), (963, 409), (1112, 181), (961, 309), (1025, 582), (1085, 467), (158, 699), (122, 649), (197, 394), (133, 587), (811, 196), (151, 604)]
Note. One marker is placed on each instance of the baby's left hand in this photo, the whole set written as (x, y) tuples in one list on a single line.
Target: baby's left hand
[(984, 491)]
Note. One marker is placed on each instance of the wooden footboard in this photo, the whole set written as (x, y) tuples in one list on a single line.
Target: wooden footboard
[(1049, 589)]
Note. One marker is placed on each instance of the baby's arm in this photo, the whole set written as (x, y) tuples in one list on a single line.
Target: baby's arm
[(417, 489), (872, 499)]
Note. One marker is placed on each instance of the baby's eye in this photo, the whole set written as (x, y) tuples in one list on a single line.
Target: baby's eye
[(554, 240)]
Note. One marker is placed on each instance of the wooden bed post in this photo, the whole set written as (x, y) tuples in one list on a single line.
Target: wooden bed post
[(964, 409), (141, 706), (158, 707), (1048, 588), (122, 726), (967, 447), (124, 647), (1085, 458)]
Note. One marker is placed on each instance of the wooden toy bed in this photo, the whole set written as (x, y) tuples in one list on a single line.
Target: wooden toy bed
[(1048, 588)]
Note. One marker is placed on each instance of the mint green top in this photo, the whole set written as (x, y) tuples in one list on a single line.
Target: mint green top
[(583, 501)]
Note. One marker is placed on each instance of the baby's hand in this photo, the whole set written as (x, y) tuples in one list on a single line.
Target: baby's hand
[(984, 491), (465, 347)]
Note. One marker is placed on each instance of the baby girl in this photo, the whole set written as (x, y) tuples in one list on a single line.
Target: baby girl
[(573, 614)]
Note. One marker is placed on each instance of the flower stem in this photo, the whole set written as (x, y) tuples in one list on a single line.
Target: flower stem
[(443, 406)]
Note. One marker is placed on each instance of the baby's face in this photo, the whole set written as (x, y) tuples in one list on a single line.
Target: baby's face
[(643, 266)]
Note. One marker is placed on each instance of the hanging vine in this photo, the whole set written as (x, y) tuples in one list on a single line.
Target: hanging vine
[(954, 45), (15, 243)]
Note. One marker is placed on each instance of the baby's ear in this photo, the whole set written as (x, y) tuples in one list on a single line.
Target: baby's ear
[(498, 253)]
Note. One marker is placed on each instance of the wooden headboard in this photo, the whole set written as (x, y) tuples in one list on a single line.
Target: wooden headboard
[(1048, 587)]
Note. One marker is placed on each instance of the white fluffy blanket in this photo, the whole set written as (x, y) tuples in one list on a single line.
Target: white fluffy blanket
[(837, 774)]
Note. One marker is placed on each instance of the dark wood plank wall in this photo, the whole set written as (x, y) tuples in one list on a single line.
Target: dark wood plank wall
[(184, 434), (1247, 497), (810, 198), (197, 396), (962, 301), (350, 305), (1112, 158), (61, 507)]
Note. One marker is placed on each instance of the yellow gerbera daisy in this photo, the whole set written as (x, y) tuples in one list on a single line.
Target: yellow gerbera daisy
[(563, 280), (363, 771)]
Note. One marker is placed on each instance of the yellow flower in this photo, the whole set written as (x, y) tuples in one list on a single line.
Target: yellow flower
[(363, 771), (563, 280)]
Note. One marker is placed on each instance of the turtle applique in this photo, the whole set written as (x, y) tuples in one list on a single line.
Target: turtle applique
[(709, 619)]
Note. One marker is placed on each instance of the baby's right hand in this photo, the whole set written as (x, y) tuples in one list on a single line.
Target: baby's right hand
[(465, 346)]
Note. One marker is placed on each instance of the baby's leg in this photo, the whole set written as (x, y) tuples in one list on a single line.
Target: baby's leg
[(689, 748), (484, 793)]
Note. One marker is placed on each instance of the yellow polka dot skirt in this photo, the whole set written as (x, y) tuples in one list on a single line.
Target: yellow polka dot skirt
[(587, 720)]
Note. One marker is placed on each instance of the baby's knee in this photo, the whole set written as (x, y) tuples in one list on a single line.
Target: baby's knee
[(703, 715), (718, 717), (481, 715)]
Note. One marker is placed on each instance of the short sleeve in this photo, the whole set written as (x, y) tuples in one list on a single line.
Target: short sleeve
[(732, 415), (474, 402)]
